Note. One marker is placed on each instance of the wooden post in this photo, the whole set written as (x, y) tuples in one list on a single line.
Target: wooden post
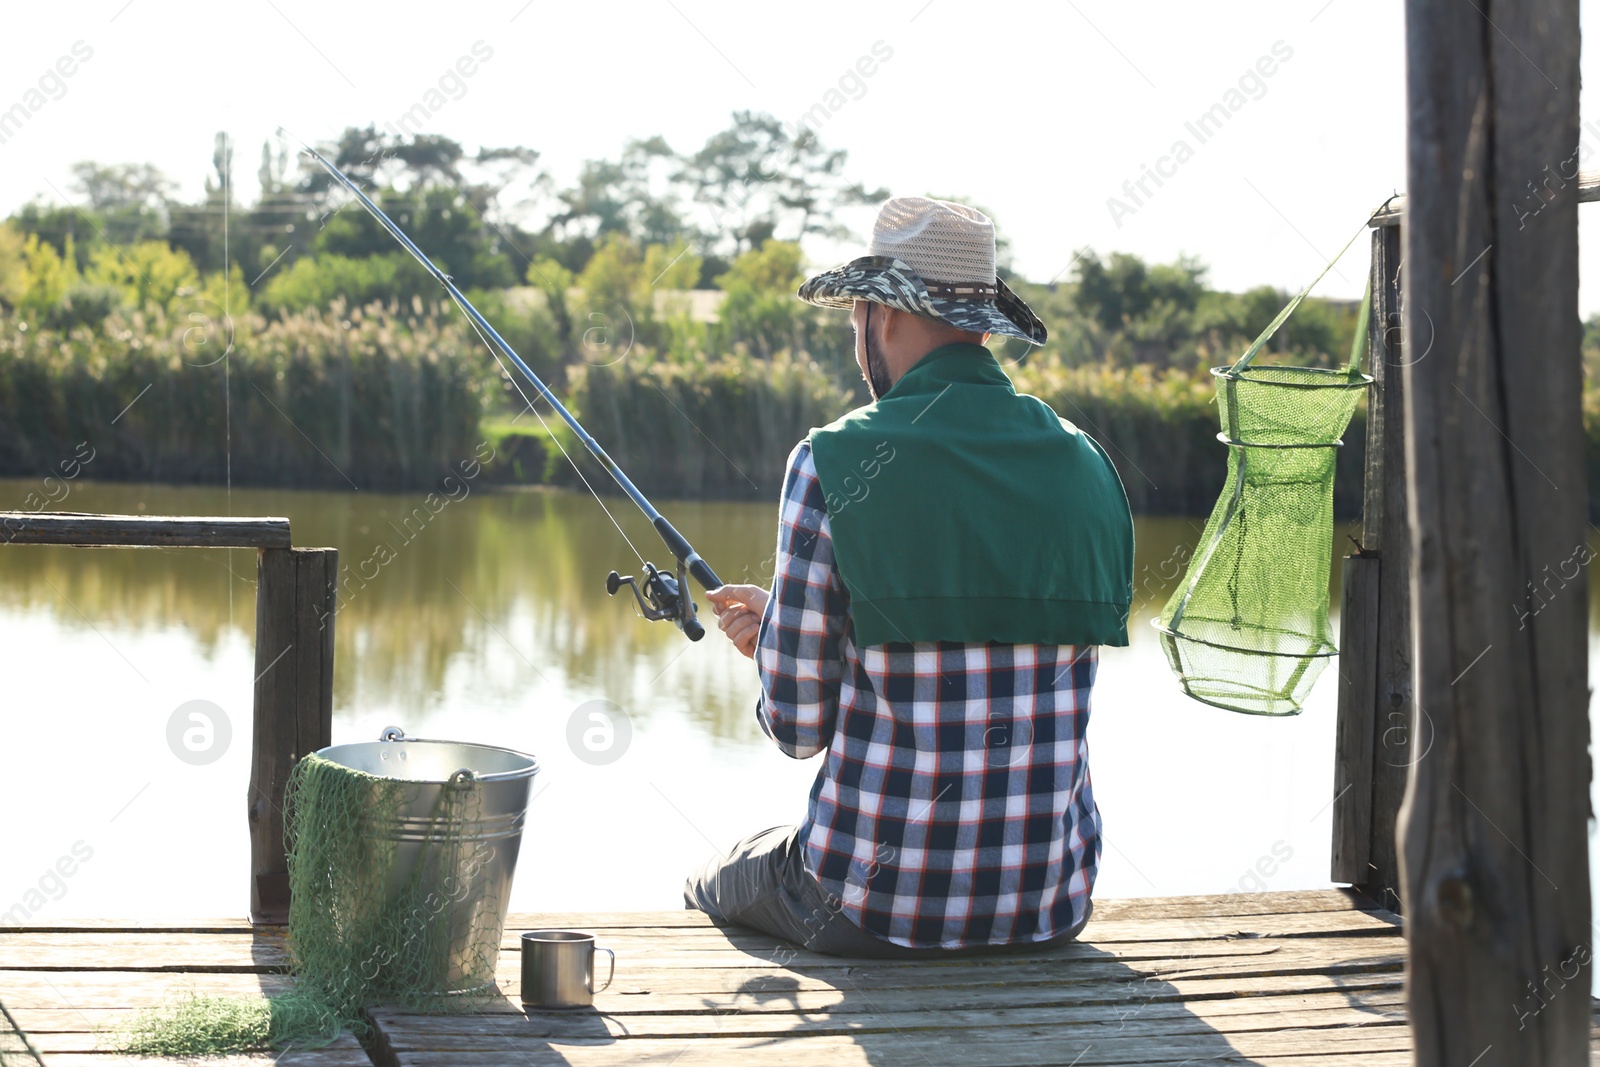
[(296, 590), (1494, 829), (1374, 741)]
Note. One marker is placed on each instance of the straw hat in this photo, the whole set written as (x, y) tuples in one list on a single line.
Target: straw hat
[(932, 258)]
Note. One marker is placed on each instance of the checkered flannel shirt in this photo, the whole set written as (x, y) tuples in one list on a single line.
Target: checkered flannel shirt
[(954, 806)]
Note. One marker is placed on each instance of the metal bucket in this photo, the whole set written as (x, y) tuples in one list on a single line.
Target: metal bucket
[(458, 870)]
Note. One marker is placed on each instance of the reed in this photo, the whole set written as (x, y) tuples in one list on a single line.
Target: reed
[(721, 428), (345, 397)]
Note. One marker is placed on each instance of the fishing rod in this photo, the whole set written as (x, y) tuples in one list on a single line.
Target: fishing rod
[(661, 594)]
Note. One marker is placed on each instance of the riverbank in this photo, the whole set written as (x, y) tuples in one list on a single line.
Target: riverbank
[(388, 399)]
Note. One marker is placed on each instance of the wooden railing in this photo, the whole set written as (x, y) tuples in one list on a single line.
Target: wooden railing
[(296, 592)]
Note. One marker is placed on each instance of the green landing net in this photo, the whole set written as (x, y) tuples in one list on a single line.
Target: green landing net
[(1247, 629), (361, 933)]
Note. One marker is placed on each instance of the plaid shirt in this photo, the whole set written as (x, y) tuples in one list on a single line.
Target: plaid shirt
[(954, 806)]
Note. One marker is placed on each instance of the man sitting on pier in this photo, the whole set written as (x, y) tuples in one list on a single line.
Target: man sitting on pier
[(949, 557)]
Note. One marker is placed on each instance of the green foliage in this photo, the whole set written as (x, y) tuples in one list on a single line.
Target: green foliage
[(554, 281), (620, 287), (1591, 348), (318, 281), (527, 326), (760, 309), (1160, 430), (148, 273), (615, 280), (720, 428), (13, 267), (1123, 290), (348, 396), (441, 220), (671, 266), (50, 277), (759, 181)]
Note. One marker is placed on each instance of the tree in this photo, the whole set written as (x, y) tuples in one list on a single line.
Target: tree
[(632, 196), (51, 277), (554, 280), (205, 230), (760, 308), (615, 280), (147, 273), (13, 266), (131, 200), (1123, 289), (758, 182)]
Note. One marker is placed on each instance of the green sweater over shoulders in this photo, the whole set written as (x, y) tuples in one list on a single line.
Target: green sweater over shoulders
[(963, 511)]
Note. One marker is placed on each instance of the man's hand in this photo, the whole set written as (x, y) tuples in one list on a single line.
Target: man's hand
[(739, 609)]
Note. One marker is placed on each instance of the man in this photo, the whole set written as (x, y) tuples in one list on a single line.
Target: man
[(949, 557)]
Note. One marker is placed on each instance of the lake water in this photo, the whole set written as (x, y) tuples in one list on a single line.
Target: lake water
[(491, 624)]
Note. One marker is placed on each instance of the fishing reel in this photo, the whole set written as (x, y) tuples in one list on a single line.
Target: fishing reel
[(663, 596)]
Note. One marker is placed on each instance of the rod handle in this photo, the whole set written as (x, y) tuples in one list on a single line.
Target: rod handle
[(679, 546)]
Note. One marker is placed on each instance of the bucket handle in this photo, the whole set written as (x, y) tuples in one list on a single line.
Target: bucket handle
[(463, 776), (392, 733)]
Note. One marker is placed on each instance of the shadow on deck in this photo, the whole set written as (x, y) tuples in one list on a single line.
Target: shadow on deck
[(1304, 979)]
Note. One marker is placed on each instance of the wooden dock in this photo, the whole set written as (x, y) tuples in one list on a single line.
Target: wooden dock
[(1300, 979)]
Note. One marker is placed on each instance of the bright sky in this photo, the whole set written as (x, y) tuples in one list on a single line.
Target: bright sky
[(1039, 112)]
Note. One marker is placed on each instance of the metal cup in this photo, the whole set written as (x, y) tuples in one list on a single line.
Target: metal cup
[(558, 969)]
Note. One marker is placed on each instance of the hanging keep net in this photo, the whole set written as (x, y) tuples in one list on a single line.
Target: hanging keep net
[(1247, 629), (400, 863)]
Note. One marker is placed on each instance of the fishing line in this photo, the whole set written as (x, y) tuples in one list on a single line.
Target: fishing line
[(576, 469), (661, 594)]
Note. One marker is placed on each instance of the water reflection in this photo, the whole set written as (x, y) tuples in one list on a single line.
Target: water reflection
[(507, 587), (504, 587), (489, 622)]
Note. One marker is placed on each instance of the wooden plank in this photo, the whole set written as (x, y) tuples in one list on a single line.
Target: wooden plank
[(133, 952), (1357, 730), (1289, 901), (696, 945), (132, 926), (983, 1048), (346, 1048), (1495, 842), (466, 1032), (1588, 191), (1238, 1013), (296, 593), (1396, 739), (1218, 904), (1223, 979), (797, 993), (329, 1057), (1352, 761), (36, 990), (141, 531), (732, 972)]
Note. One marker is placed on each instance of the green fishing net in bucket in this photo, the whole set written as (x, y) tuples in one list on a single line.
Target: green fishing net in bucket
[(398, 895), (1247, 629)]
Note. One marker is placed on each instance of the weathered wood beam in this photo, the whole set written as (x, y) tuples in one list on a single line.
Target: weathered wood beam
[(296, 592), (1494, 839), (1558, 175), (1374, 741), (141, 531), (1355, 729)]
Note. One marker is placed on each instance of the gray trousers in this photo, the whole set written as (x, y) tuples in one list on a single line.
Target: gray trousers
[(762, 883)]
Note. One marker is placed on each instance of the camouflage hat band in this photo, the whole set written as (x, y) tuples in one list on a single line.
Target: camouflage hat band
[(889, 281)]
